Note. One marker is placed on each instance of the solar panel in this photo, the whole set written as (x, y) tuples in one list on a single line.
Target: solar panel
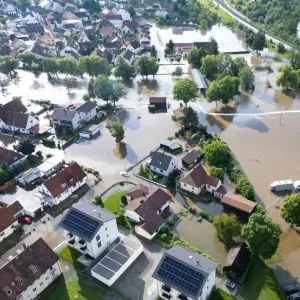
[(80, 223), (180, 275)]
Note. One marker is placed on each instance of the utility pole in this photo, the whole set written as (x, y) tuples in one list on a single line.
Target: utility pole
[(282, 108)]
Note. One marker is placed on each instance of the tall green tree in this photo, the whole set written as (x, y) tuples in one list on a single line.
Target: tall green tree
[(177, 72), (246, 78), (122, 68), (26, 146), (131, 11), (50, 66), (70, 83), (153, 66), (245, 188), (27, 58), (4, 83), (171, 46), (91, 89), (290, 210), (190, 118), (68, 66), (262, 235), (213, 48), (195, 57), (217, 153), (210, 66), (217, 172), (186, 90), (153, 51), (94, 65), (117, 131), (288, 78), (8, 65), (146, 66), (228, 228)]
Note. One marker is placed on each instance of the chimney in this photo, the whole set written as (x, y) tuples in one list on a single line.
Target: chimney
[(142, 201), (24, 246), (99, 215)]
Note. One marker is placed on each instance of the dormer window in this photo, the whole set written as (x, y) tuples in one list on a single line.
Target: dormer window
[(63, 185), (7, 290), (32, 269), (19, 280)]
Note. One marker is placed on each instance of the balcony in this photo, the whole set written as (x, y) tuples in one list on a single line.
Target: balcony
[(82, 242), (69, 235), (84, 249), (166, 296), (71, 242), (165, 289), (182, 297)]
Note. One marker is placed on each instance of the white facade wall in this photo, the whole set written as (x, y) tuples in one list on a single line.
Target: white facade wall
[(132, 215), (117, 23), (211, 188), (8, 231), (190, 188), (172, 166), (41, 283), (30, 123), (125, 14), (88, 116)]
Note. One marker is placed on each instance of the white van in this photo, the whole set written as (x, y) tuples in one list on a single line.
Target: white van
[(281, 185)]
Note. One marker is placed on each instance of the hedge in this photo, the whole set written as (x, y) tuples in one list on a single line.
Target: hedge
[(48, 143), (70, 141)]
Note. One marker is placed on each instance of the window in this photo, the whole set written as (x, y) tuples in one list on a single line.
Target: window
[(47, 278), (12, 226), (41, 284), (99, 244), (2, 233), (51, 268), (7, 290), (161, 171), (32, 269), (97, 238), (34, 289)]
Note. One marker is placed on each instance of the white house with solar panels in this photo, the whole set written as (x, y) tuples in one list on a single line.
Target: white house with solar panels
[(185, 275), (93, 231)]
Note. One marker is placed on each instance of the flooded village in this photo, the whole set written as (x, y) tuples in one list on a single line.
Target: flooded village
[(260, 127)]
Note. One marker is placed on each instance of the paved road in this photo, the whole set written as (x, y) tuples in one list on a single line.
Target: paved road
[(245, 21)]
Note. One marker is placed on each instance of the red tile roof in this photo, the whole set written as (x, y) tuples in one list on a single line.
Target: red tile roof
[(138, 191), (63, 180), (112, 16), (198, 177), (17, 274), (157, 100), (9, 157), (107, 30), (238, 202), (8, 212)]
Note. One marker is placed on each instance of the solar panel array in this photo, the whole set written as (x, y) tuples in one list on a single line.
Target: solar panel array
[(185, 278), (81, 224)]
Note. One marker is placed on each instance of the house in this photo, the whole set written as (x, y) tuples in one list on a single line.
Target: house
[(191, 159), (237, 261), (69, 52), (145, 42), (238, 205), (34, 28), (197, 179), (9, 215), (14, 119), (124, 14), (145, 208), (18, 45), (29, 177), (158, 102), (62, 185), (11, 158), (200, 80), (65, 117), (185, 274), (52, 164), (171, 146), (9, 9), (128, 56), (89, 228), (135, 47), (162, 164), (115, 19), (87, 111), (113, 45), (106, 31), (30, 272)]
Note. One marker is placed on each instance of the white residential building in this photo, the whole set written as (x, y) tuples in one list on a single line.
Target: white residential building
[(184, 274), (62, 185), (162, 163), (89, 228), (26, 275), (197, 179), (66, 117), (87, 111), (9, 215), (124, 13)]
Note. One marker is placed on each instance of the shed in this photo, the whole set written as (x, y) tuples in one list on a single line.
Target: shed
[(158, 102), (191, 158), (171, 146), (90, 132), (200, 80)]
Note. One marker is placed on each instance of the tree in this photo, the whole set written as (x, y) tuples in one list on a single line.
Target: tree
[(170, 46), (245, 188), (91, 89), (259, 41), (223, 89), (27, 58), (177, 72), (117, 131), (228, 228), (153, 66), (217, 153), (171, 181), (246, 78), (146, 66), (186, 90), (195, 57), (122, 68), (8, 65), (98, 201), (70, 83), (280, 48), (4, 83), (210, 66), (94, 65), (190, 118), (213, 48), (131, 11), (50, 66), (153, 51), (262, 235), (68, 66), (26, 146), (3, 175), (290, 210), (217, 172), (288, 78), (294, 59)]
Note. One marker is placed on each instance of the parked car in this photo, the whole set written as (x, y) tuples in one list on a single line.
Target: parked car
[(295, 296), (230, 284), (282, 185), (291, 289), (25, 220), (125, 174), (297, 185)]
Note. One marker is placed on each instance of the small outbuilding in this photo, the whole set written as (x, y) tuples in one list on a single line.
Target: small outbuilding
[(200, 80), (90, 132), (191, 159), (171, 146), (158, 102)]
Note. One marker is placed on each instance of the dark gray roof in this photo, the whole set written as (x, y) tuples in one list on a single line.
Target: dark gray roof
[(171, 144), (135, 44), (74, 54), (184, 270), (128, 54), (191, 156), (160, 160), (86, 107), (63, 114), (34, 28), (85, 219)]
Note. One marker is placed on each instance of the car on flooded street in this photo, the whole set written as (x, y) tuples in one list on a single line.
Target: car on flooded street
[(230, 284), (25, 220), (291, 289), (125, 174)]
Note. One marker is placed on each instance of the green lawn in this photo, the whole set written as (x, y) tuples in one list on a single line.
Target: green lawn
[(260, 283), (220, 295), (112, 202), (75, 290), (71, 255), (275, 258)]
